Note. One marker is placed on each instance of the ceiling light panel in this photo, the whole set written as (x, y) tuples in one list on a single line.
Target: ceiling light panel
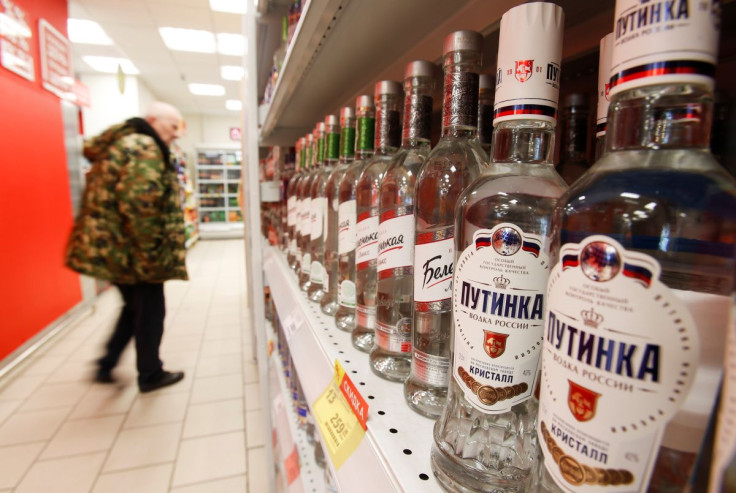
[(193, 40), (109, 65), (84, 31), (230, 44), (234, 104), (207, 89), (229, 6), (232, 72)]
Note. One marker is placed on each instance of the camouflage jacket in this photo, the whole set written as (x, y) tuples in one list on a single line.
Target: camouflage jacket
[(131, 226)]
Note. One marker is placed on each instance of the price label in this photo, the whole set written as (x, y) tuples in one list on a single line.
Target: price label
[(340, 413), (290, 326)]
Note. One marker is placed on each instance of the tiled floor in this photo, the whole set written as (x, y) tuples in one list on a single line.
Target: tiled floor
[(61, 433)]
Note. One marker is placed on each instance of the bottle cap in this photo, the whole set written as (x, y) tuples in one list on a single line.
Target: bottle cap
[(419, 68), (364, 101), (331, 120), (664, 43), (320, 127), (485, 82), (345, 113), (387, 87), (463, 40), (604, 70), (529, 54)]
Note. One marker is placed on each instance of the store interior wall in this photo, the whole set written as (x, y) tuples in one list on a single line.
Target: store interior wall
[(109, 105), (35, 199)]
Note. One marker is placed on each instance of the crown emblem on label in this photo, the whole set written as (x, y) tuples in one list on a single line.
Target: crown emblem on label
[(591, 318), (501, 282)]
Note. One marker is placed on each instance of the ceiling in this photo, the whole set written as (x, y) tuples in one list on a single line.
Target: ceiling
[(133, 27)]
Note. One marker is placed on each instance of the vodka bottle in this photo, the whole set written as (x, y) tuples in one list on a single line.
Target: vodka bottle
[(328, 154), (639, 298), (503, 235), (604, 68), (454, 162), (387, 95), (346, 217), (723, 475), (347, 154), (305, 188), (292, 205), (573, 151), (390, 357), (485, 111)]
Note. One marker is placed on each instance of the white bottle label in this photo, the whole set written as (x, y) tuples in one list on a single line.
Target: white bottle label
[(658, 42), (430, 369), (366, 246), (395, 242), (346, 294), (317, 211), (316, 272), (291, 211), (325, 281), (622, 367), (292, 246), (433, 267), (306, 263), (497, 311), (346, 227), (724, 458), (395, 339), (306, 217), (604, 98)]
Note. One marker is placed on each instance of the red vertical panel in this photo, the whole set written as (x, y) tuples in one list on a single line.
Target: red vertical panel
[(35, 202)]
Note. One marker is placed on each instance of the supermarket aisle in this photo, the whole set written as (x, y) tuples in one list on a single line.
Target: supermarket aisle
[(61, 433)]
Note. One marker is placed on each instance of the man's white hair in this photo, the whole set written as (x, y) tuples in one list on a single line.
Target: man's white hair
[(159, 109)]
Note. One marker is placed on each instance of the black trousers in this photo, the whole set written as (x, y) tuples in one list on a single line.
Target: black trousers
[(142, 317)]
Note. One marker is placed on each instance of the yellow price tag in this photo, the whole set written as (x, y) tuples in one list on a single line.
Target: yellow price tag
[(340, 428)]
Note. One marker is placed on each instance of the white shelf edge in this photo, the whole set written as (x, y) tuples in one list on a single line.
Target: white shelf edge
[(380, 463)]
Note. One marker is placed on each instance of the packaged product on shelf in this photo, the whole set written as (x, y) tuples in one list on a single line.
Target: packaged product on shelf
[(387, 95), (305, 208), (390, 357), (502, 243), (573, 149), (485, 111), (329, 303), (604, 68), (346, 215), (640, 296), (292, 203), (454, 162)]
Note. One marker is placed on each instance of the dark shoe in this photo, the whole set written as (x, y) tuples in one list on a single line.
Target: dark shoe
[(104, 376), (165, 379)]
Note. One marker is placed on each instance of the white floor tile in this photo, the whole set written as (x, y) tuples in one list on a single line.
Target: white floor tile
[(208, 458), (258, 470), (235, 484), (220, 347), (143, 480), (44, 365), (252, 396), (144, 446), (32, 426), (255, 428), (69, 475), (21, 387), (83, 436), (103, 400), (213, 418), (155, 409), (219, 365), (15, 461), (7, 408), (250, 370), (56, 395), (217, 388)]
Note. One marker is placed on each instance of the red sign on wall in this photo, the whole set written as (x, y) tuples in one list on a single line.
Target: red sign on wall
[(15, 40), (56, 61)]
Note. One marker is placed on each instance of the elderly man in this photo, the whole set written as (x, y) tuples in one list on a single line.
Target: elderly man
[(130, 231)]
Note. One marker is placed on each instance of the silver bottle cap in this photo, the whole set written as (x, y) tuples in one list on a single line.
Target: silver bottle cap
[(419, 68), (331, 120), (364, 101), (387, 87), (463, 40), (347, 112), (320, 127)]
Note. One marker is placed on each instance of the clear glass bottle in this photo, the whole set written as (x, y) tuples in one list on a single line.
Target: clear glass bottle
[(292, 205), (390, 357), (347, 154), (328, 155), (573, 151), (604, 68), (640, 295), (453, 163), (486, 438), (345, 315), (485, 112), (305, 188), (388, 96)]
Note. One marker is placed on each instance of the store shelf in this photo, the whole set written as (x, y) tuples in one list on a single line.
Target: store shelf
[(342, 47), (394, 455)]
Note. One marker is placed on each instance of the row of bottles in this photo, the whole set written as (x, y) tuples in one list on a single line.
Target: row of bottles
[(565, 339)]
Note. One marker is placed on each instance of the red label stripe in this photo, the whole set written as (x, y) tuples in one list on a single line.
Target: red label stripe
[(663, 68)]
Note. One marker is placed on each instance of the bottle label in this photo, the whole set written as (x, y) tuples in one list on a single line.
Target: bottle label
[(325, 281), (346, 294), (316, 272), (366, 245), (317, 213), (396, 339), (430, 369), (291, 211), (621, 353), (528, 73), (365, 316), (724, 458), (498, 310), (604, 98), (306, 220), (346, 227), (658, 42), (433, 268), (395, 242), (306, 264)]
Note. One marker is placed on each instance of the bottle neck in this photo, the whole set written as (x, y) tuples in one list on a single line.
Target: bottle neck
[(417, 112), (460, 106), (332, 145), (347, 141), (523, 141), (388, 124), (364, 136), (574, 135), (660, 117)]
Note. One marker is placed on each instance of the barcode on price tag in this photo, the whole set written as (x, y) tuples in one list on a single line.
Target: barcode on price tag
[(290, 326)]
